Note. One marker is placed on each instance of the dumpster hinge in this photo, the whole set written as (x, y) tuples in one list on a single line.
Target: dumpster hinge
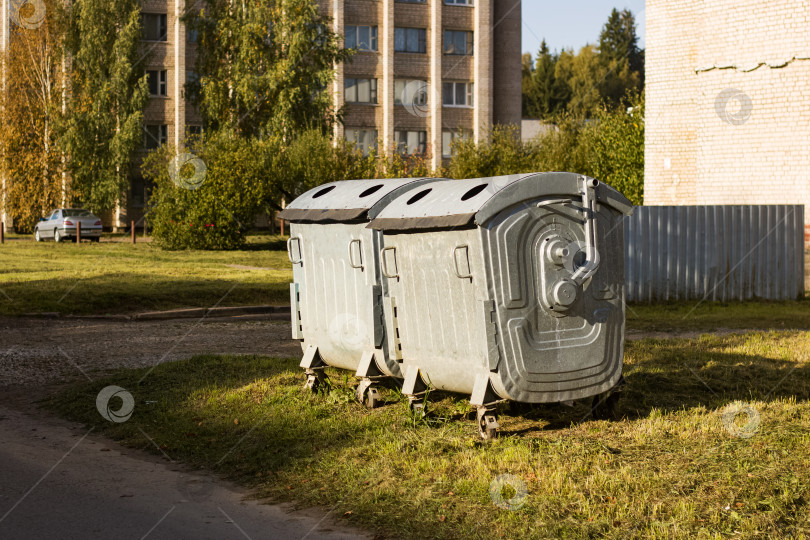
[(295, 312), (493, 353), (394, 343), (378, 316)]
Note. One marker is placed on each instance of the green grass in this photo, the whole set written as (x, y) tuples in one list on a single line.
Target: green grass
[(120, 278), (101, 278), (669, 468), (706, 316)]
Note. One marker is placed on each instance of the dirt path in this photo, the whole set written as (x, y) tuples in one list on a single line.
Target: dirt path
[(60, 349)]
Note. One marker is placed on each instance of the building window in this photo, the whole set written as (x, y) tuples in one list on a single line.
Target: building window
[(413, 40), (363, 139), (450, 137), (157, 83), (459, 2), (362, 38), (154, 27), (410, 92), (458, 42), (360, 90), (155, 136), (194, 136), (457, 94), (411, 142), (192, 35)]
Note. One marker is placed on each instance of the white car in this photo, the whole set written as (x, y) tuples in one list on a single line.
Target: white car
[(62, 224)]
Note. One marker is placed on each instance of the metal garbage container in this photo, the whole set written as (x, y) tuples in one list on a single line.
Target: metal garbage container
[(506, 288), (336, 292)]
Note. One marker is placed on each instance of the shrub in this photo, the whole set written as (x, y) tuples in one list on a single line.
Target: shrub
[(614, 145), (217, 214), (609, 147)]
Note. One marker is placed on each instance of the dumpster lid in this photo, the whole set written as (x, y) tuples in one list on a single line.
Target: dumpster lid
[(348, 200), (456, 203)]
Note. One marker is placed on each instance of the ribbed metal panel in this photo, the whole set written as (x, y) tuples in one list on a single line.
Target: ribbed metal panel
[(716, 253)]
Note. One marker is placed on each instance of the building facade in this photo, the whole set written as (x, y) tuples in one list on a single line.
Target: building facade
[(426, 71), (728, 103)]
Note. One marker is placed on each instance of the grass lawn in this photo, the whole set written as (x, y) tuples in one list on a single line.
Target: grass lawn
[(708, 316), (118, 277), (670, 468), (122, 278)]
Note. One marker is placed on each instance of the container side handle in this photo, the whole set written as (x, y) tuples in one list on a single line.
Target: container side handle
[(290, 252), (359, 254), (384, 262), (456, 249)]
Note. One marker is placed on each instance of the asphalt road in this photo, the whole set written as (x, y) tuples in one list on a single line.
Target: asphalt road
[(57, 480)]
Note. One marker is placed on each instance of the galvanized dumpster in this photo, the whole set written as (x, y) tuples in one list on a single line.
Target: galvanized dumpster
[(336, 292), (506, 288)]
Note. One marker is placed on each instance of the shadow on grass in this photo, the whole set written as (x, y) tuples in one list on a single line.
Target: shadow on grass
[(675, 374), (272, 244), (134, 292), (247, 417), (662, 375), (229, 414)]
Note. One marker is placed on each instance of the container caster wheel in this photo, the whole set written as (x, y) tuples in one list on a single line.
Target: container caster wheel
[(487, 424), (315, 381), (367, 394), (416, 406), (372, 398), (605, 406)]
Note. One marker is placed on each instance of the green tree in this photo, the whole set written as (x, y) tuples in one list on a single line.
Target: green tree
[(264, 66), (621, 58), (614, 146), (504, 153), (527, 82), (544, 96), (609, 146), (583, 75), (32, 113), (108, 94)]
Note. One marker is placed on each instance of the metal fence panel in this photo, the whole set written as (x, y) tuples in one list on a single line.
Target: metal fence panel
[(718, 253)]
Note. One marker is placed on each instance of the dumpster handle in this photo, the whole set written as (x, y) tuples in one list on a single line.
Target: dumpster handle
[(289, 249), (384, 263), (591, 252), (351, 254), (455, 261)]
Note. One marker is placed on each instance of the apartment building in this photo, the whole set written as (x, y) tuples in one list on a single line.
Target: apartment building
[(425, 73)]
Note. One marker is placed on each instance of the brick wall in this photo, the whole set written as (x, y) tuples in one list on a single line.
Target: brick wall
[(728, 103)]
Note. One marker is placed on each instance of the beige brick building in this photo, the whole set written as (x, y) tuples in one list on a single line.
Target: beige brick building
[(728, 103), (427, 71)]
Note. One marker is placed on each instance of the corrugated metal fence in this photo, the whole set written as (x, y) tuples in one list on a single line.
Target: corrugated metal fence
[(714, 252)]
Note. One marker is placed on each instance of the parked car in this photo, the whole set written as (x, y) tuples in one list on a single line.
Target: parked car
[(61, 225)]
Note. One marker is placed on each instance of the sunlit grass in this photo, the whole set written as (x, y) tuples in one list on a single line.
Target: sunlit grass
[(669, 468), (123, 278)]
